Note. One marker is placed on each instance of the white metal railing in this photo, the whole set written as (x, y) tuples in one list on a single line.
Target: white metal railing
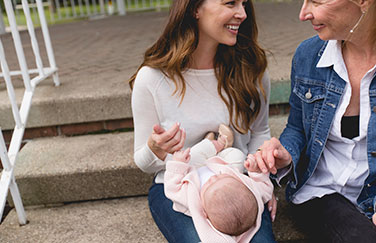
[(58, 10), (8, 157)]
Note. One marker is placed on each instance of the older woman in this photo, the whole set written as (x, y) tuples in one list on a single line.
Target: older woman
[(329, 145)]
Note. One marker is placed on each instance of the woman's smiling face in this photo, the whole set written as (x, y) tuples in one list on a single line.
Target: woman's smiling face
[(219, 21), (332, 19)]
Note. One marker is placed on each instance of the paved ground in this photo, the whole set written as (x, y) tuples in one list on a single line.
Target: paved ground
[(110, 49)]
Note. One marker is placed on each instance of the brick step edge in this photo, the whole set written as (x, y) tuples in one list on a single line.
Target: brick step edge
[(101, 126)]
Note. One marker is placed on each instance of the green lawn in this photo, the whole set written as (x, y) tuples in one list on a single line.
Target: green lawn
[(67, 13)]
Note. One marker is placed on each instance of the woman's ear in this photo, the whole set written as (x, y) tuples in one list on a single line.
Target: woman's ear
[(365, 5)]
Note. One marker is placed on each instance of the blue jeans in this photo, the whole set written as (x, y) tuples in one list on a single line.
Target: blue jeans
[(333, 218), (177, 227)]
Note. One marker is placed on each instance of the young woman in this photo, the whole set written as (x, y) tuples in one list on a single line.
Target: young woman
[(206, 68), (329, 144)]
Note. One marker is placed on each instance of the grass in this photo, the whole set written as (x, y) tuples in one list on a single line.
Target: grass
[(66, 14)]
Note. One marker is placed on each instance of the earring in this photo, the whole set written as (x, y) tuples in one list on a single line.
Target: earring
[(357, 23)]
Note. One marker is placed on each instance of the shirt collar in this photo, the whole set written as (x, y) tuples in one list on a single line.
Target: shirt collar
[(332, 56)]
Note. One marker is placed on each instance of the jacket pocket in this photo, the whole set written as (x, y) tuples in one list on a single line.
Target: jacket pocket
[(312, 94)]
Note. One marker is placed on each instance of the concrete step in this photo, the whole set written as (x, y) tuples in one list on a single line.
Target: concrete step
[(69, 104), (65, 169), (116, 220), (64, 174)]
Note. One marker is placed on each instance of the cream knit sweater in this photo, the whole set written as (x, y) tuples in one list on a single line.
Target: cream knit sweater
[(201, 111)]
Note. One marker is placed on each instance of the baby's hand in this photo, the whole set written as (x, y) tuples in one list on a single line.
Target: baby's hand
[(251, 165), (182, 156), (374, 218)]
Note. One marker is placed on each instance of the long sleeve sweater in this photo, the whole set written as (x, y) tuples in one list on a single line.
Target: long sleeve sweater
[(202, 110)]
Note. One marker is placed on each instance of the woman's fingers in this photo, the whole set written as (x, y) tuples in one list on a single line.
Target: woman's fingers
[(161, 141), (268, 157), (260, 162), (180, 144), (158, 129), (166, 136), (272, 206), (165, 139)]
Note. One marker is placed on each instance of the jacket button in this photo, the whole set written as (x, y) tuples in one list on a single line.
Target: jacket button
[(374, 109), (373, 153), (308, 95)]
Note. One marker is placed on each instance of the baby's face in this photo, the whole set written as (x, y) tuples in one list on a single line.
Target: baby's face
[(216, 182)]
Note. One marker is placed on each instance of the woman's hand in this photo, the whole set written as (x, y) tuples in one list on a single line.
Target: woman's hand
[(272, 207), (272, 156), (162, 142), (374, 218)]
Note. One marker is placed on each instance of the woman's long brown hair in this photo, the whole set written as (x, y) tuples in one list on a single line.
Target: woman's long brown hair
[(239, 68)]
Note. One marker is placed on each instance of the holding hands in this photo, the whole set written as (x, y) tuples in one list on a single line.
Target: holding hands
[(271, 156), (162, 142)]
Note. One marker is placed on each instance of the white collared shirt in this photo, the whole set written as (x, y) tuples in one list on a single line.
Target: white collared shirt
[(343, 166)]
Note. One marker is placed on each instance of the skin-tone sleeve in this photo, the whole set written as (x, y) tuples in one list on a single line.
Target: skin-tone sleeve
[(144, 117), (260, 128), (175, 188)]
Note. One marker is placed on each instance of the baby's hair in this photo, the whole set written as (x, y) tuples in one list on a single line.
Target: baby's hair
[(232, 209)]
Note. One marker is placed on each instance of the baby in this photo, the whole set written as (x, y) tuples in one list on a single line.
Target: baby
[(225, 204)]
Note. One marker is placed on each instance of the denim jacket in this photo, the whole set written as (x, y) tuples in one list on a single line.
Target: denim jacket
[(315, 96)]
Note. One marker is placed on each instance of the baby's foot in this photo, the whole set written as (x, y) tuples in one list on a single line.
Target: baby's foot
[(225, 136)]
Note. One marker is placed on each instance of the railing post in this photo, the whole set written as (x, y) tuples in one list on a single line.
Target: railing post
[(73, 7), (121, 7), (80, 8), (101, 6), (47, 41), (2, 25), (8, 157), (18, 44)]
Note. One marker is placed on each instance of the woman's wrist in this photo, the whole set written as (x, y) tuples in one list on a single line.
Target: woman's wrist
[(161, 154)]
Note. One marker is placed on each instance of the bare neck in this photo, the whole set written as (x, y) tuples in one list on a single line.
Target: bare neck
[(203, 57)]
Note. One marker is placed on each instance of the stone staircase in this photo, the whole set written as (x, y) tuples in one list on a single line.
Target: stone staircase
[(88, 189), (75, 171)]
